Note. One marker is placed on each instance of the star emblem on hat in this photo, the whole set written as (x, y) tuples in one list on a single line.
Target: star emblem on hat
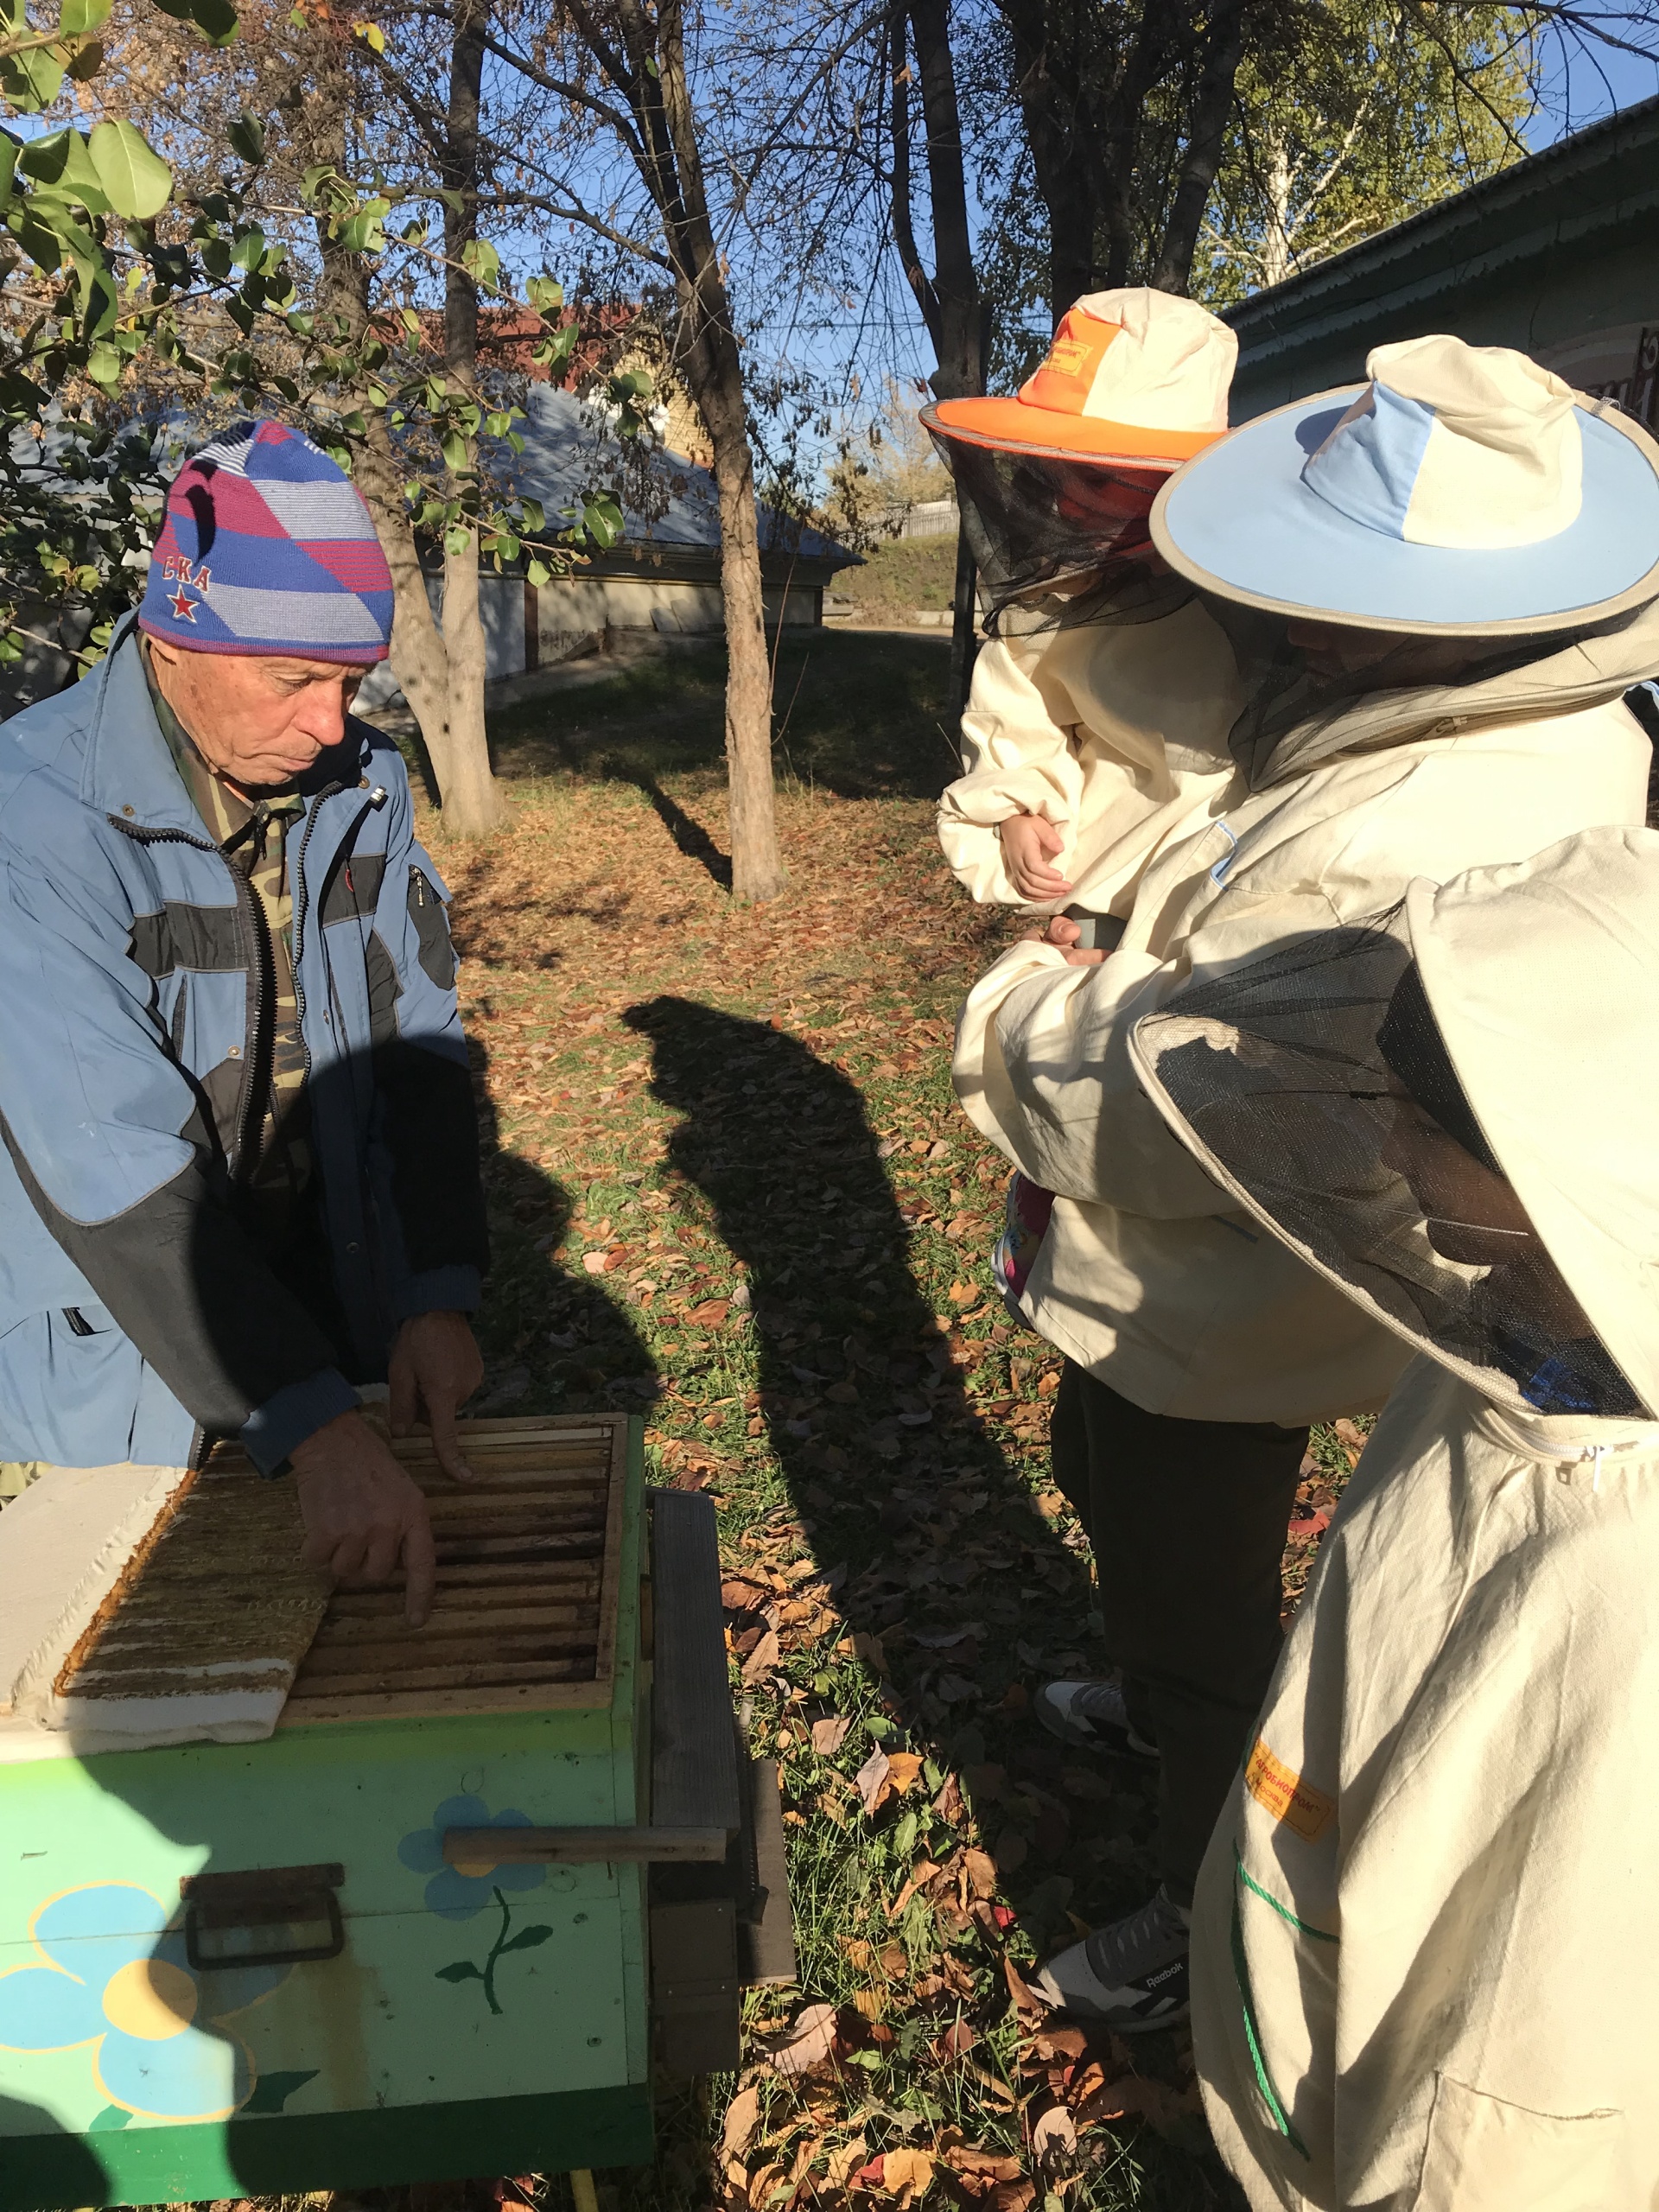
[(184, 609)]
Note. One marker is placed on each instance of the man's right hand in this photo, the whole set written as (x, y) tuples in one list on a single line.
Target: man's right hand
[(362, 1513)]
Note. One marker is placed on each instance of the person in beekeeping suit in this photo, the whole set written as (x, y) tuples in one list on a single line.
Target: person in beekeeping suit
[(1438, 586), (240, 1170), (1423, 1943), (1100, 706)]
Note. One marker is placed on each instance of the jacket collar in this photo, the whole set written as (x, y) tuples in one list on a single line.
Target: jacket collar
[(130, 772)]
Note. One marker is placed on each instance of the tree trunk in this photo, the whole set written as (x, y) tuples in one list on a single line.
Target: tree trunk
[(472, 802), (708, 356), (950, 300), (1206, 135), (757, 871), (1275, 230)]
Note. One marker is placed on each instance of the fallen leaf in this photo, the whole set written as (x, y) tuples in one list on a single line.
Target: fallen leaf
[(1054, 2136), (711, 1310), (964, 1293), (742, 2116), (981, 1872), (1011, 1850), (903, 1770), (868, 1646), (1133, 2096), (1026, 2000), (957, 2042), (994, 2166), (841, 2162), (810, 2042), (1049, 1384), (828, 1736), (870, 2002), (761, 2185), (1012, 2195), (905, 2174), (593, 1263), (919, 1880), (872, 1781), (764, 1657)]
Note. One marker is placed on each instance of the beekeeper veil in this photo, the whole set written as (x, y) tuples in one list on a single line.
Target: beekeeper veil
[(1055, 485), (1449, 1111)]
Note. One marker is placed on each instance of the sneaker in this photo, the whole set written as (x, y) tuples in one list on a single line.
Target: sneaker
[(1092, 1715), (1131, 1976)]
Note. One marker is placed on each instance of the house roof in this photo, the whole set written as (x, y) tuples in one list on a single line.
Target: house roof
[(669, 501), (1529, 231)]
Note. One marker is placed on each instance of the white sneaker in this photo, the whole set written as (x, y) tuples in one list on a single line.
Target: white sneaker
[(1130, 1976), (1093, 1715)]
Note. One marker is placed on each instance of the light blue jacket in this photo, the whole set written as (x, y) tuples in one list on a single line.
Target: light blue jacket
[(135, 1307)]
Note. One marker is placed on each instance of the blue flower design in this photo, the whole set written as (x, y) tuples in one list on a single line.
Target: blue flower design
[(462, 1893), (117, 1978)]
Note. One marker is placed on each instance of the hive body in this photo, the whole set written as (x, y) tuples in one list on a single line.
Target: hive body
[(485, 2017)]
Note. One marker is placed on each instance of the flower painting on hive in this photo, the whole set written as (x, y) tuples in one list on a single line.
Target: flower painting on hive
[(114, 1979)]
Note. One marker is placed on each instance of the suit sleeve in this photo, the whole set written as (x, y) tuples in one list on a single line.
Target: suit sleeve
[(110, 1145)]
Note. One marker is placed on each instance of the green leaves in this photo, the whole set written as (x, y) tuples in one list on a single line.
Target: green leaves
[(481, 262), (454, 451), (137, 182), (460, 1970), (544, 294), (528, 1939), (214, 19), (247, 138)]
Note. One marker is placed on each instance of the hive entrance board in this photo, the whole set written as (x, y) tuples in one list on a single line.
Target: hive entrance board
[(215, 1626)]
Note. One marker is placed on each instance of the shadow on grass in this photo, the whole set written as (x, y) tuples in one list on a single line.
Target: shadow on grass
[(947, 1561), (867, 719)]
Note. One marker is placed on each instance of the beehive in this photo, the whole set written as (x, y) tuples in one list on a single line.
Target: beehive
[(484, 2016)]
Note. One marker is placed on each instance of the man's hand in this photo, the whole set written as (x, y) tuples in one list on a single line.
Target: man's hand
[(436, 1367), (1028, 842), (1066, 934), (363, 1514)]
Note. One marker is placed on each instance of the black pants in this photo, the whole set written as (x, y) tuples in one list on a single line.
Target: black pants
[(1187, 1521)]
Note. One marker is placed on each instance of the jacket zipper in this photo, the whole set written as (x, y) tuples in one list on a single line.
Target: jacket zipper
[(302, 901)]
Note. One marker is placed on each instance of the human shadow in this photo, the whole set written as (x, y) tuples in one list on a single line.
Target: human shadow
[(971, 1596), (187, 2076)]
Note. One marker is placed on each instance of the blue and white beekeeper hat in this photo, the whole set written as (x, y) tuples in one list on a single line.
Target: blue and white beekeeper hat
[(1464, 491)]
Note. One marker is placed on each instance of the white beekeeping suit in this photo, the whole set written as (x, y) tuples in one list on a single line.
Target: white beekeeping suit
[(1425, 1935)]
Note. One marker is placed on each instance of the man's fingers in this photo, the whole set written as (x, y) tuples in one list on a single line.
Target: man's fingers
[(420, 1569), (445, 1443), (404, 1393), (318, 1549), (1048, 836), (1063, 931), (1090, 959), (385, 1541), (349, 1554)]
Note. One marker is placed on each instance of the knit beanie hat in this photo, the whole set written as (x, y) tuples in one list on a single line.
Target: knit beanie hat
[(267, 549)]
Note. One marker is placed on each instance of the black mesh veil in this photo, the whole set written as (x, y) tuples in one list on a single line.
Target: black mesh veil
[(1058, 539), (1276, 1069)]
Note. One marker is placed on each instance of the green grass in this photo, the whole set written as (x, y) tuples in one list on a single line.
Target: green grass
[(901, 574), (745, 1116)]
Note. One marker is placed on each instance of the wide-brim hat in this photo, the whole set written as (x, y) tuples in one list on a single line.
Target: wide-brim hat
[(1464, 490), (1132, 376)]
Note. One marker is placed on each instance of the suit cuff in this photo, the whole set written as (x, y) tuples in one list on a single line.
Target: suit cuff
[(298, 1410), (440, 1290)]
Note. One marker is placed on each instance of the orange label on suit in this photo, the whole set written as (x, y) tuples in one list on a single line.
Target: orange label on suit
[(1303, 1809), (1067, 377)]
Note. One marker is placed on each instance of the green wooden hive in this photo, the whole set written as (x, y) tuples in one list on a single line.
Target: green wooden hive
[(408, 1935)]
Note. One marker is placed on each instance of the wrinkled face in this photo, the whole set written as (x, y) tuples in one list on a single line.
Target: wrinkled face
[(259, 720), (1471, 1215)]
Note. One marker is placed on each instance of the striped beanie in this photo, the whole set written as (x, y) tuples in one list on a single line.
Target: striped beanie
[(267, 549)]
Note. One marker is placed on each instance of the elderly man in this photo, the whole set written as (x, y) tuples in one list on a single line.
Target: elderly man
[(240, 1165)]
